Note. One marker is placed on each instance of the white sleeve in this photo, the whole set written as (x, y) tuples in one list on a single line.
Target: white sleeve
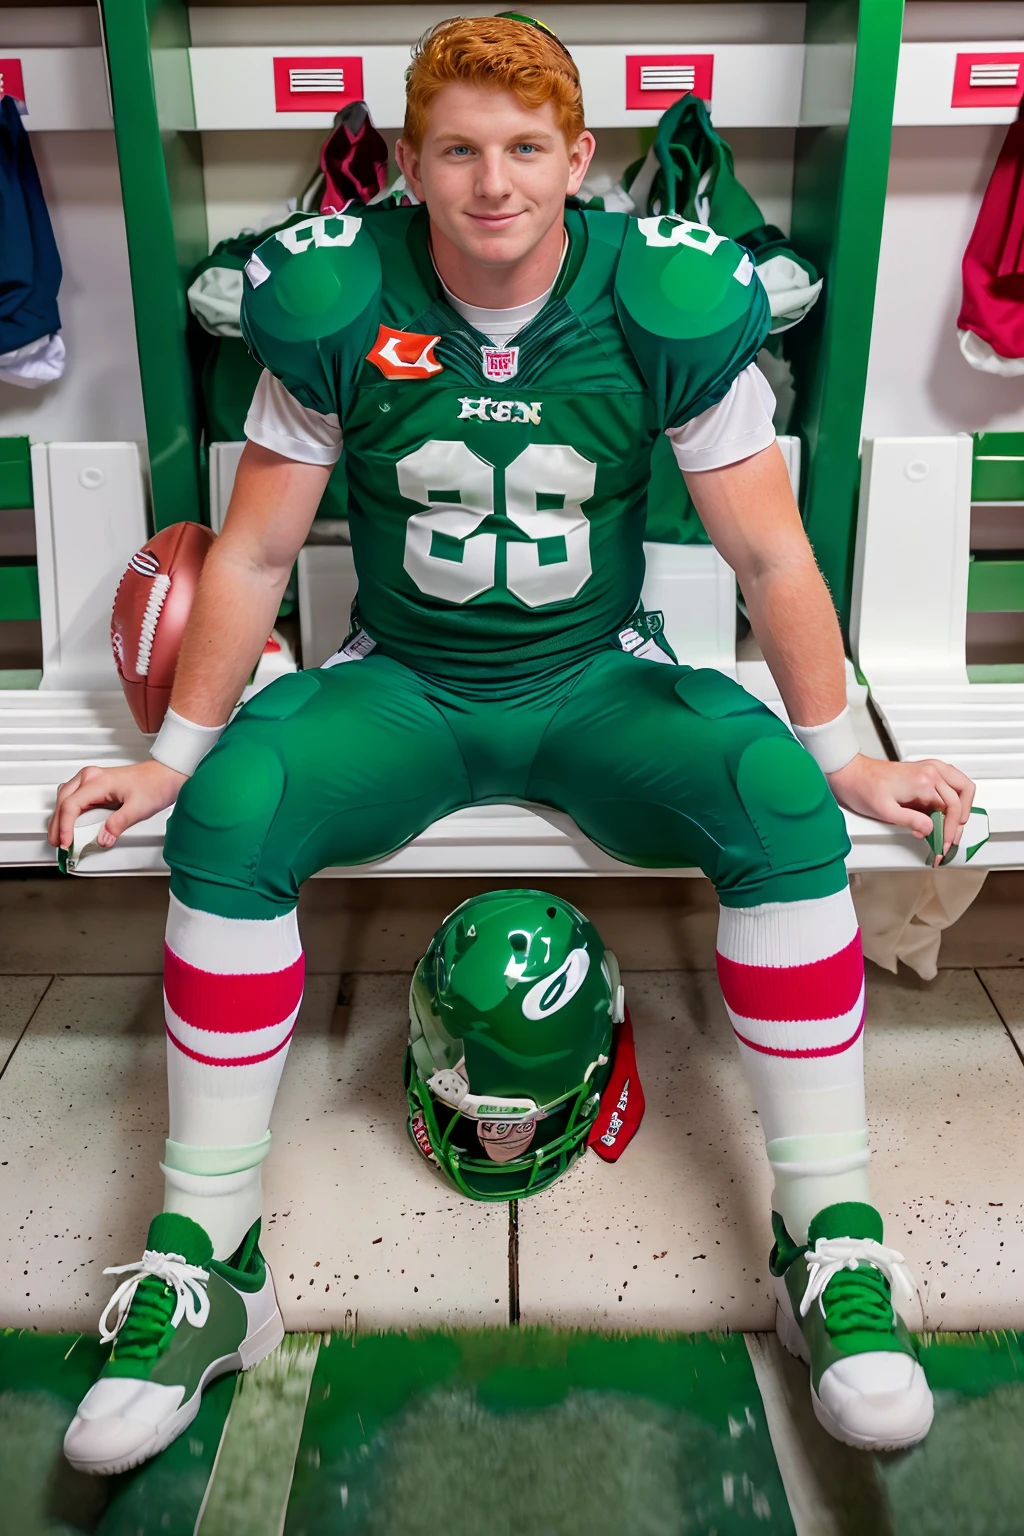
[(278, 421), (739, 425)]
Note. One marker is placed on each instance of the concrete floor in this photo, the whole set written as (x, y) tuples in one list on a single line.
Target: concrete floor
[(673, 1236)]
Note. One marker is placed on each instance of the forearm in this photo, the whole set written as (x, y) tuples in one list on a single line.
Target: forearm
[(233, 613), (796, 626), (272, 506), (749, 511)]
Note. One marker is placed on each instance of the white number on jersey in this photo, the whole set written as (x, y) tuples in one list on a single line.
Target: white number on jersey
[(542, 469)]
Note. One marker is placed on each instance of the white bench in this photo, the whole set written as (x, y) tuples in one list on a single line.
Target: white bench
[(909, 627), (87, 530)]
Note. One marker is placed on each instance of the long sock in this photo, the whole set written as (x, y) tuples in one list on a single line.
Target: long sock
[(792, 975), (232, 989)]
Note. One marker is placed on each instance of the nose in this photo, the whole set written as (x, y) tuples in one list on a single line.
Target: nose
[(493, 179)]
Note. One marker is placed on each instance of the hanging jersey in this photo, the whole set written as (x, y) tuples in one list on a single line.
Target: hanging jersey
[(497, 495)]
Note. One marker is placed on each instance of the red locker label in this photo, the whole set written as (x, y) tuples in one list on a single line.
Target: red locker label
[(317, 84), (655, 80), (988, 80), (12, 84)]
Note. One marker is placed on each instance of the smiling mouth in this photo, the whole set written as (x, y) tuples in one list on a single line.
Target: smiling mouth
[(495, 220)]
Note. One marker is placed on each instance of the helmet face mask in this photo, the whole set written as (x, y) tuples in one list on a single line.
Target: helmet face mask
[(511, 1020)]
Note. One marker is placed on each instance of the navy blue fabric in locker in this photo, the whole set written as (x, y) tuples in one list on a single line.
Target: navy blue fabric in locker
[(30, 270)]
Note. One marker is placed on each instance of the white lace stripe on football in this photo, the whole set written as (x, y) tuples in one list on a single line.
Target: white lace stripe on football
[(226, 1048), (801, 1037), (147, 632), (787, 933), (232, 946)]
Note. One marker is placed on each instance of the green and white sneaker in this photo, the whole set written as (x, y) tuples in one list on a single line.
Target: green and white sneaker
[(183, 1319), (835, 1310)]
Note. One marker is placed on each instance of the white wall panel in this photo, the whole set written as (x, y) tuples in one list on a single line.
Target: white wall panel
[(754, 85), (291, 24), (918, 383), (99, 397), (945, 21)]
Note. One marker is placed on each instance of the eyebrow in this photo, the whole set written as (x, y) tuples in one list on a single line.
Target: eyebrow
[(543, 137)]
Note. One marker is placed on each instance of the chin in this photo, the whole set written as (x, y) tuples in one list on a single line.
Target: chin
[(498, 246)]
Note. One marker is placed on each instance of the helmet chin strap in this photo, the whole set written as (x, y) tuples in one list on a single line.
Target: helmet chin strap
[(450, 1086)]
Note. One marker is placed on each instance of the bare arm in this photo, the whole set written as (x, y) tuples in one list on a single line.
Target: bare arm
[(272, 506), (751, 517)]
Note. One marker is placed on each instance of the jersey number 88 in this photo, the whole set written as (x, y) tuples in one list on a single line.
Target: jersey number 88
[(468, 566)]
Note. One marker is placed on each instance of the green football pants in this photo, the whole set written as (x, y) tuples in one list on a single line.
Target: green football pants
[(662, 766)]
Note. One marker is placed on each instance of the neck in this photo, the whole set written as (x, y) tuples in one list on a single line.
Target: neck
[(499, 287)]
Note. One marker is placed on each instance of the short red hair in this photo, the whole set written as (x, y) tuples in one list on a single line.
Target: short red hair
[(493, 50)]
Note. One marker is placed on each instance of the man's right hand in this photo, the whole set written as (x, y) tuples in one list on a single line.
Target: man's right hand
[(134, 794)]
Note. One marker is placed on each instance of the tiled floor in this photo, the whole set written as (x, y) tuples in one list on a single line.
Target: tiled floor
[(355, 1222), (673, 1235), (683, 1218), (358, 1225)]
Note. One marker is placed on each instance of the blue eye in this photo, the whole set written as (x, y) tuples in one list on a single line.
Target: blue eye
[(526, 148), (460, 149)]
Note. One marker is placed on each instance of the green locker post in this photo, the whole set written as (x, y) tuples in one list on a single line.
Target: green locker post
[(839, 184), (160, 161)]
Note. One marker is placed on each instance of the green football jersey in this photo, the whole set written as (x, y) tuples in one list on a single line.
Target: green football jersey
[(497, 495)]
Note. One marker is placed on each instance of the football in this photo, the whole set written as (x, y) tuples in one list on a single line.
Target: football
[(151, 608)]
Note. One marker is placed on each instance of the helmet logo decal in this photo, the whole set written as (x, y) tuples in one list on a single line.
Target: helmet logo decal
[(552, 992), (418, 1127)]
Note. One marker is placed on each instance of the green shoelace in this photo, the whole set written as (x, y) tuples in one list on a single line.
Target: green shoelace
[(857, 1301), (145, 1332)]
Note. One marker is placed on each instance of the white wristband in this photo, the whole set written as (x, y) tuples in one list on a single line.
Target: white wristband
[(833, 744), (181, 744)]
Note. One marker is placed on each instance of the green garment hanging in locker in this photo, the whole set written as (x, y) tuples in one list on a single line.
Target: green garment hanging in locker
[(689, 170), (225, 371)]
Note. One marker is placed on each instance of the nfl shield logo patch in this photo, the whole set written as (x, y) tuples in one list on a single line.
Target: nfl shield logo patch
[(500, 363)]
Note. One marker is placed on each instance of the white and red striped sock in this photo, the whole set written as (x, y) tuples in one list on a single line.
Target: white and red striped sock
[(232, 989), (792, 976)]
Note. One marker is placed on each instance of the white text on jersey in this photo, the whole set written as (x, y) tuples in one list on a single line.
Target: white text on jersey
[(483, 408)]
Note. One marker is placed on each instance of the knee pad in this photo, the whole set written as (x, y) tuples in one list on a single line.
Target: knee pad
[(226, 810), (790, 805), (283, 698)]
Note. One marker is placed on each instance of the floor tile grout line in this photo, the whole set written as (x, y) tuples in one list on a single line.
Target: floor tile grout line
[(39, 1002), (513, 1263), (999, 1016)]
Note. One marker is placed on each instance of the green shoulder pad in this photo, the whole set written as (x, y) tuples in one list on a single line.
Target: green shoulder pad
[(309, 302), (693, 311)]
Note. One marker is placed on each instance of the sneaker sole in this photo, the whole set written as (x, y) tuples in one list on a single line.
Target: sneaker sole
[(253, 1349), (791, 1338)]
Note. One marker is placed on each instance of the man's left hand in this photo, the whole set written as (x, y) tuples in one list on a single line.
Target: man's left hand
[(905, 794)]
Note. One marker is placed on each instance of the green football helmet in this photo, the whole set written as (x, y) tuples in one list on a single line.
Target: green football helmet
[(511, 1016)]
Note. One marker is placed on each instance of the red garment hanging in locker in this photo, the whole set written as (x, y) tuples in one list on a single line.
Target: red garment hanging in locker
[(991, 320)]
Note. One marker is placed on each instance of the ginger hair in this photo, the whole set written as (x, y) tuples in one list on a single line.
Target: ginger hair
[(494, 51)]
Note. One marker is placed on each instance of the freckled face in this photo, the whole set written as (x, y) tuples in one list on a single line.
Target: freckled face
[(494, 173)]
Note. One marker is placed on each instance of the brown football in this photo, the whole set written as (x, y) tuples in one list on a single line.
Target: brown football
[(151, 608)]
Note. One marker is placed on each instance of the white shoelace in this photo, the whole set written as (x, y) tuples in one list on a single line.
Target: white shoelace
[(830, 1255), (188, 1282)]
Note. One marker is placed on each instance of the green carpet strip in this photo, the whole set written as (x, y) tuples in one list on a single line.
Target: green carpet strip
[(510, 1430), (252, 1476), (532, 1430), (42, 1379)]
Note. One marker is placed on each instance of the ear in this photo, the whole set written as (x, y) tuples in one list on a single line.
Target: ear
[(409, 164), (580, 155)]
